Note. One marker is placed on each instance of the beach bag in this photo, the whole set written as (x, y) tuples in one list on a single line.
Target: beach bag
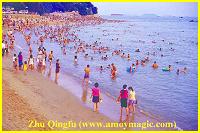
[(118, 98)]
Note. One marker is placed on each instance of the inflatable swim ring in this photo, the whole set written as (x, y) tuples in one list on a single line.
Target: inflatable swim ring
[(165, 69), (128, 69)]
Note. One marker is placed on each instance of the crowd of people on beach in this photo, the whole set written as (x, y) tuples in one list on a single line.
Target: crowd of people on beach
[(42, 28)]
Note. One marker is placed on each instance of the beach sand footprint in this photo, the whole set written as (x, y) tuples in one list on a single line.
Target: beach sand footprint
[(25, 81), (37, 91)]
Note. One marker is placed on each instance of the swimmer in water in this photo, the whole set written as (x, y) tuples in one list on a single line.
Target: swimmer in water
[(137, 50), (106, 57), (155, 65), (101, 68), (146, 59), (75, 59), (142, 62), (170, 67), (178, 71), (128, 58), (184, 70), (137, 62), (132, 67), (86, 55), (123, 55), (108, 66)]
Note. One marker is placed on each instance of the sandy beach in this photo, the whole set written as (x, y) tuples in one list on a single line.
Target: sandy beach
[(33, 97), (67, 71)]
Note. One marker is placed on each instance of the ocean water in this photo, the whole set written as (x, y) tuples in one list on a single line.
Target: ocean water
[(167, 95)]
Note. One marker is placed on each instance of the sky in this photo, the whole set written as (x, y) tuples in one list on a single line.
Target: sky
[(137, 8)]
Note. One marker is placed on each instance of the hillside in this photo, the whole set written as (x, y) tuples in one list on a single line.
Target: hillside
[(84, 8)]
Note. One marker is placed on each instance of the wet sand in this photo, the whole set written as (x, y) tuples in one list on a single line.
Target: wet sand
[(31, 96), (34, 97)]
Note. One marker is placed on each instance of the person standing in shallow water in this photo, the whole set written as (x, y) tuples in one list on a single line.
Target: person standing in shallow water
[(50, 57), (123, 99), (57, 70), (86, 76), (75, 59), (20, 60), (132, 100), (113, 71), (96, 97)]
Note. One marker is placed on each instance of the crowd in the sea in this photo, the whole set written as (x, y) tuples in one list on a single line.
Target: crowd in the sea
[(42, 28)]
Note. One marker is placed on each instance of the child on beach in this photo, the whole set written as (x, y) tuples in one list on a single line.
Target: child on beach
[(123, 98), (95, 96), (57, 70), (15, 64), (31, 62), (25, 67), (132, 100), (86, 76), (14, 57)]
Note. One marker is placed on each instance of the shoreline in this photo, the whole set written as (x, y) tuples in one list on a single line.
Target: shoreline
[(40, 94), (45, 98)]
